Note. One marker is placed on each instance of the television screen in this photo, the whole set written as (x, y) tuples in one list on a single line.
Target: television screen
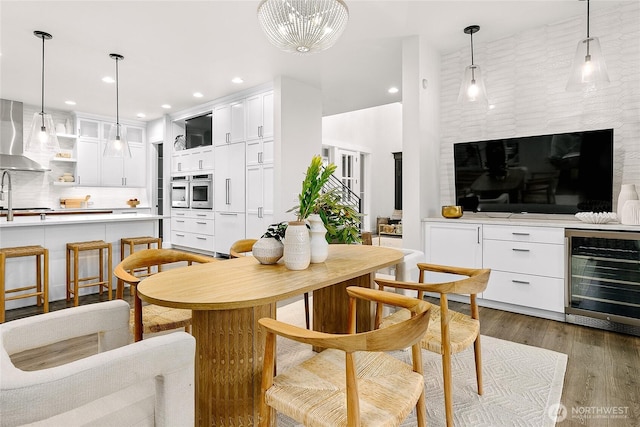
[(560, 173), (198, 131)]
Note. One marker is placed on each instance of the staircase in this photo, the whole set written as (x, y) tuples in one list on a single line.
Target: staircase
[(348, 197)]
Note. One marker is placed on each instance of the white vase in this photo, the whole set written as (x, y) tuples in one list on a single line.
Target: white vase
[(627, 192), (319, 244), (297, 248), (267, 250), (630, 214)]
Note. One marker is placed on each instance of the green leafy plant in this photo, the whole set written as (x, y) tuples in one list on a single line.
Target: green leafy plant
[(276, 231), (316, 177)]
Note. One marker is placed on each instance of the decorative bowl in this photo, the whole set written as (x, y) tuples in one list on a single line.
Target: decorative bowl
[(597, 217), (452, 211), (133, 203)]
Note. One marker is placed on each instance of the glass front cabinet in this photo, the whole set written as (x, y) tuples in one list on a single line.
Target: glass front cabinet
[(604, 279)]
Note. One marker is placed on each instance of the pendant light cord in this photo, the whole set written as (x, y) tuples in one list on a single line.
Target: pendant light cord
[(471, 34), (587, 19), (117, 102), (42, 94)]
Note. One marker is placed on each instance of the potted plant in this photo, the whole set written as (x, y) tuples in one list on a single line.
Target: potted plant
[(269, 248)]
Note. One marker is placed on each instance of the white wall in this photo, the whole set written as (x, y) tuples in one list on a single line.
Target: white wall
[(526, 75), (378, 131)]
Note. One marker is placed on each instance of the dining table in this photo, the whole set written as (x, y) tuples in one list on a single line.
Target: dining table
[(228, 298)]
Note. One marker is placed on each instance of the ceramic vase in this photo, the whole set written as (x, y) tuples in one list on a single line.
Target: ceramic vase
[(297, 248), (630, 213), (318, 243), (627, 192), (267, 250)]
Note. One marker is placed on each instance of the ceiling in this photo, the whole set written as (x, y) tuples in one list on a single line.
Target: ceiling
[(174, 48)]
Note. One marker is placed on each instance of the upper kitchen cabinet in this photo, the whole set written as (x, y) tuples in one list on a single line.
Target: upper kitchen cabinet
[(193, 160), (88, 162), (228, 123), (260, 116), (127, 171)]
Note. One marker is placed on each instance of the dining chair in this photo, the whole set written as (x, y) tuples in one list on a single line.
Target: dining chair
[(244, 246), (450, 331), (353, 382), (154, 318)]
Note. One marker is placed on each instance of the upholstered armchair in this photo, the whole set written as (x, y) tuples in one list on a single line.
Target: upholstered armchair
[(150, 382)]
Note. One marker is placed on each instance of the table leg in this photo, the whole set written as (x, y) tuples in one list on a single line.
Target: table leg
[(229, 352)]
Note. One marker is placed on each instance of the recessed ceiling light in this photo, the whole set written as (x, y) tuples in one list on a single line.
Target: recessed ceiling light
[(166, 106), (108, 79), (141, 115), (237, 80), (491, 107), (393, 89), (198, 95), (70, 102)]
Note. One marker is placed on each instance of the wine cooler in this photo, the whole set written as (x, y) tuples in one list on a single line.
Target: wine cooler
[(604, 280)]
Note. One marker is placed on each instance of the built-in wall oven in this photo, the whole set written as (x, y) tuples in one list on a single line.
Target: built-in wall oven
[(201, 191), (604, 279), (180, 191)]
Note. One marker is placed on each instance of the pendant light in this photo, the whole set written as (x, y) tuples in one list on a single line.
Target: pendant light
[(42, 137), (303, 26), (588, 70), (117, 145), (472, 89)]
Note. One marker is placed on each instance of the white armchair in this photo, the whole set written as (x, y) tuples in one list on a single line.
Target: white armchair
[(150, 382)]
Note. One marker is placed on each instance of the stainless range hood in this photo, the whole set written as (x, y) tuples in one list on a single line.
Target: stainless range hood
[(11, 139)]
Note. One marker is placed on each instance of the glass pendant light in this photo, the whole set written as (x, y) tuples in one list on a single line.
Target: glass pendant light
[(303, 26), (472, 89), (42, 137), (117, 145), (589, 70)]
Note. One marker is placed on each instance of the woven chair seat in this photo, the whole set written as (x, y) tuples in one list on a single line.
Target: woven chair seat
[(463, 329), (156, 318), (314, 392)]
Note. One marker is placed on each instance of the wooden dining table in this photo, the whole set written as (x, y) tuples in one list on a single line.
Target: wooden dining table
[(228, 298)]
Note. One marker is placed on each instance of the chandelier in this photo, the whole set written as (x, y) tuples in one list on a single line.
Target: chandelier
[(303, 26)]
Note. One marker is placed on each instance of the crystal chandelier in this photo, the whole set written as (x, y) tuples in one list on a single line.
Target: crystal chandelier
[(303, 26), (42, 138), (588, 70)]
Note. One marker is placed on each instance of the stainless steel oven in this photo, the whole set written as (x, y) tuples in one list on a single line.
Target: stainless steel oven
[(180, 191), (201, 191)]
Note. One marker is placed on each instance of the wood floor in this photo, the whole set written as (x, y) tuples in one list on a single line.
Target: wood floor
[(602, 377)]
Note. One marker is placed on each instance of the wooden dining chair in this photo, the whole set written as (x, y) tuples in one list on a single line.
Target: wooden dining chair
[(244, 246), (154, 318), (449, 332), (353, 382)]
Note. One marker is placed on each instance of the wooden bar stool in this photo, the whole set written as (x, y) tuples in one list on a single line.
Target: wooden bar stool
[(132, 242), (74, 282), (42, 280)]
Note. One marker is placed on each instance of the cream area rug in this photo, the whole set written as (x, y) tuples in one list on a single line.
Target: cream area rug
[(522, 384)]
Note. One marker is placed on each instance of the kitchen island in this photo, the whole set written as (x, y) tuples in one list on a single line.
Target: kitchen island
[(54, 232)]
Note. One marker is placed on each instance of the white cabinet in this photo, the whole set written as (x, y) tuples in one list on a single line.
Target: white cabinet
[(88, 162), (192, 160), (454, 244), (259, 151), (260, 116), (229, 227), (127, 171), (229, 178), (260, 181), (228, 123), (193, 229), (527, 266)]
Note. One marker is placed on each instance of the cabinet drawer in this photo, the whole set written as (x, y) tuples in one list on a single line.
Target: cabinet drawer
[(192, 225), (545, 293), (524, 234), (192, 240), (527, 258), (202, 214)]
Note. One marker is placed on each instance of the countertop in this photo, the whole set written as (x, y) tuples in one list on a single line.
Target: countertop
[(80, 217), (533, 220)]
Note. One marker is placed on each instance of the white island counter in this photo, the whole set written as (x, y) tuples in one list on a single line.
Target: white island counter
[(54, 232)]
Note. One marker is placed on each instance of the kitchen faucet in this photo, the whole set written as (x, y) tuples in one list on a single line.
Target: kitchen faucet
[(9, 206)]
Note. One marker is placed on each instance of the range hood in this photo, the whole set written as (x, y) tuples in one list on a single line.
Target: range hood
[(11, 139)]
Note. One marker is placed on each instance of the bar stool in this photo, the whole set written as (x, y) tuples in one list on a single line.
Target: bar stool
[(74, 279), (132, 242), (42, 280)]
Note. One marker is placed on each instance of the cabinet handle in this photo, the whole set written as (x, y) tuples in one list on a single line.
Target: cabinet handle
[(202, 215), (201, 238), (260, 212), (201, 223), (478, 235), (520, 250), (179, 234), (227, 185), (179, 214), (521, 282), (520, 234), (260, 157), (228, 213), (199, 164), (179, 220), (179, 167)]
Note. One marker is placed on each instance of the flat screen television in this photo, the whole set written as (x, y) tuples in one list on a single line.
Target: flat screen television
[(560, 173), (198, 131)]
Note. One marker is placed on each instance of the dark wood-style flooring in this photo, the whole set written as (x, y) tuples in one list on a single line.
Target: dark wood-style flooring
[(602, 376)]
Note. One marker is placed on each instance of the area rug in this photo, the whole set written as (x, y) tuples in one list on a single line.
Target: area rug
[(521, 383)]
